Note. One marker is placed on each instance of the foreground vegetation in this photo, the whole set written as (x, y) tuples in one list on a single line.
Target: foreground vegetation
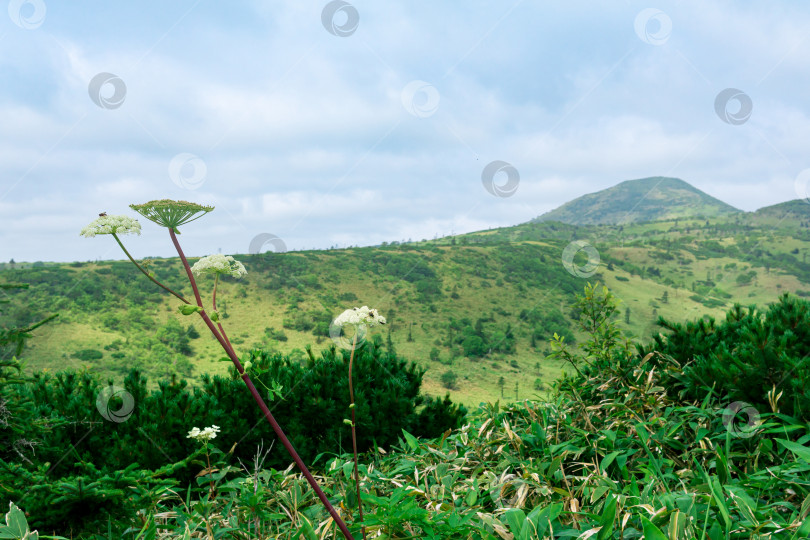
[(626, 447)]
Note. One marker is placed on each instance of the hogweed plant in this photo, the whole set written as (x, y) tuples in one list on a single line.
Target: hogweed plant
[(172, 214), (204, 436), (359, 320)]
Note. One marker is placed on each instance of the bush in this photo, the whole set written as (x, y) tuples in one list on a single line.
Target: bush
[(449, 379), (277, 335), (474, 346), (88, 355), (746, 356)]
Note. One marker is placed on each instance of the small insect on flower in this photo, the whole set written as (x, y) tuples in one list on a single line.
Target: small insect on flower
[(103, 214)]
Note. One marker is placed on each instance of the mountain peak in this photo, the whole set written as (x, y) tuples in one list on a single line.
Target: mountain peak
[(644, 199)]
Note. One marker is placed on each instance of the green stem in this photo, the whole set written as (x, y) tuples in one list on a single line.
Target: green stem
[(208, 460), (142, 269), (214, 303), (354, 437)]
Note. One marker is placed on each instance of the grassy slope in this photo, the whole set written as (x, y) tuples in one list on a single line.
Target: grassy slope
[(696, 261)]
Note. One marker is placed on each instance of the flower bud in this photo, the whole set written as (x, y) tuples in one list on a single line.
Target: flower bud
[(188, 309)]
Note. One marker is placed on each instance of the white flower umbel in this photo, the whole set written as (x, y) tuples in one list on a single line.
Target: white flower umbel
[(112, 225), (359, 316), (219, 264), (205, 435)]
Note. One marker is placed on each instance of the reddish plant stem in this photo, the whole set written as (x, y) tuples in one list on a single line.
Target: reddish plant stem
[(255, 393), (354, 438)]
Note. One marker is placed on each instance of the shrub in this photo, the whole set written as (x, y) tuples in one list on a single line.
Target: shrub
[(88, 355), (746, 356), (449, 379), (277, 335)]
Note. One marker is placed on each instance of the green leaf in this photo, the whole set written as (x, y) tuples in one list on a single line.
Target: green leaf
[(412, 441), (540, 517), (16, 525), (702, 432), (607, 460), (803, 531), (598, 492), (677, 524), (745, 503), (608, 517), (651, 532), (348, 469), (717, 494), (515, 519), (471, 498), (801, 451)]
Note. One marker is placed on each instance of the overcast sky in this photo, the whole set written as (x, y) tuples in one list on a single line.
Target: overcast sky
[(335, 124)]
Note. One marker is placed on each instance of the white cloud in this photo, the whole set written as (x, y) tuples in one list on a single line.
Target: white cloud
[(304, 135)]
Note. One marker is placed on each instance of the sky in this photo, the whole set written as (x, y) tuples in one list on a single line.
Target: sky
[(317, 124)]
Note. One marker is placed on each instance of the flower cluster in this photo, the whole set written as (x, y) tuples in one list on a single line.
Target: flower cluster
[(205, 435), (171, 214), (219, 264), (105, 224), (359, 316)]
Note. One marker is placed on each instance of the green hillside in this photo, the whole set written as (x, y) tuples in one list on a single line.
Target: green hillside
[(477, 310), (787, 214), (483, 308), (635, 201)]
